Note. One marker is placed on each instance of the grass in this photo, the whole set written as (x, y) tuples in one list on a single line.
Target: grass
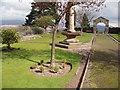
[(116, 36), (16, 64), (86, 37)]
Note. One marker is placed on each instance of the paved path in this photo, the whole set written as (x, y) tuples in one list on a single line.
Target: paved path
[(103, 67)]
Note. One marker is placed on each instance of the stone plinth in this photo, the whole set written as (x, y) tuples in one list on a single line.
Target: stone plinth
[(71, 34), (79, 45), (70, 42), (71, 37)]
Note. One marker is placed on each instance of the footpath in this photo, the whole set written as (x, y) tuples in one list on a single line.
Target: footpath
[(103, 67)]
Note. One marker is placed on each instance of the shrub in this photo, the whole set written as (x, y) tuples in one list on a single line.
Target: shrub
[(23, 30), (45, 21), (38, 30), (39, 63), (42, 61), (63, 65), (42, 69), (9, 36), (56, 68)]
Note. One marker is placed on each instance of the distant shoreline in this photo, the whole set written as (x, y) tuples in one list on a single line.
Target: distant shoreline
[(8, 26)]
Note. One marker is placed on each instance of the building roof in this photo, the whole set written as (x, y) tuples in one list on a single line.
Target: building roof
[(101, 18)]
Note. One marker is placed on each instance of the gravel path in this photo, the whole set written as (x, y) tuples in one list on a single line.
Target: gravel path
[(74, 82), (103, 67)]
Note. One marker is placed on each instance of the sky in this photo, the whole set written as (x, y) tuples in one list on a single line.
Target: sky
[(15, 11)]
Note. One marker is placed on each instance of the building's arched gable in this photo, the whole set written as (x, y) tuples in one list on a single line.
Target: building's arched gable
[(103, 20)]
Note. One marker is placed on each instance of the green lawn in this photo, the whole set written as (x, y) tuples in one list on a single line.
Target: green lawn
[(15, 65), (86, 37), (116, 36)]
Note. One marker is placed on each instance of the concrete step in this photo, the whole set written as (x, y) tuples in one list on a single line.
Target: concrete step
[(64, 43), (71, 46), (61, 45), (71, 43)]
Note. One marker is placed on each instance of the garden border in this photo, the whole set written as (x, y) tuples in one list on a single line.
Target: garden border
[(113, 38), (81, 71), (80, 85)]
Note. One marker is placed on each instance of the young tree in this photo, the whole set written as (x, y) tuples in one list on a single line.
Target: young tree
[(38, 30), (44, 22), (85, 23), (60, 9), (9, 36)]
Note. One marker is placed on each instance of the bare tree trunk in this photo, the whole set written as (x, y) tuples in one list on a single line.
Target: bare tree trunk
[(81, 33), (9, 47), (53, 46), (46, 31)]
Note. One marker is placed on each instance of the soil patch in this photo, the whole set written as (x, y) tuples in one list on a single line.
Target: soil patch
[(48, 72), (9, 50)]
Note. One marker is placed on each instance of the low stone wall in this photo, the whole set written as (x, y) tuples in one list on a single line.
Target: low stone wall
[(30, 37)]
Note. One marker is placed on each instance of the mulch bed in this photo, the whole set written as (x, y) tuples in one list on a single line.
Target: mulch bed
[(9, 50), (48, 72)]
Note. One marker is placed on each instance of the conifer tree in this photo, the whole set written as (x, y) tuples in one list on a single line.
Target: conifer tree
[(85, 22)]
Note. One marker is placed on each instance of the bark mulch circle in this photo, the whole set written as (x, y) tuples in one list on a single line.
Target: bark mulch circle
[(48, 72), (9, 50)]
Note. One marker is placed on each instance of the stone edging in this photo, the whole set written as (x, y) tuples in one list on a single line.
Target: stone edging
[(86, 65), (81, 71), (113, 38)]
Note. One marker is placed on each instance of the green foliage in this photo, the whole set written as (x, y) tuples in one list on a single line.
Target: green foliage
[(56, 68), (42, 61), (9, 36), (42, 68), (20, 28), (23, 30), (44, 21), (38, 30), (63, 65), (37, 13), (64, 60), (85, 22)]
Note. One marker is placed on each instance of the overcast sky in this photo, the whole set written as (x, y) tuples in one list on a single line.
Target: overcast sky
[(15, 10)]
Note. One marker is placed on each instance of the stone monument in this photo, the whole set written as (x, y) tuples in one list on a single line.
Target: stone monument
[(70, 41)]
